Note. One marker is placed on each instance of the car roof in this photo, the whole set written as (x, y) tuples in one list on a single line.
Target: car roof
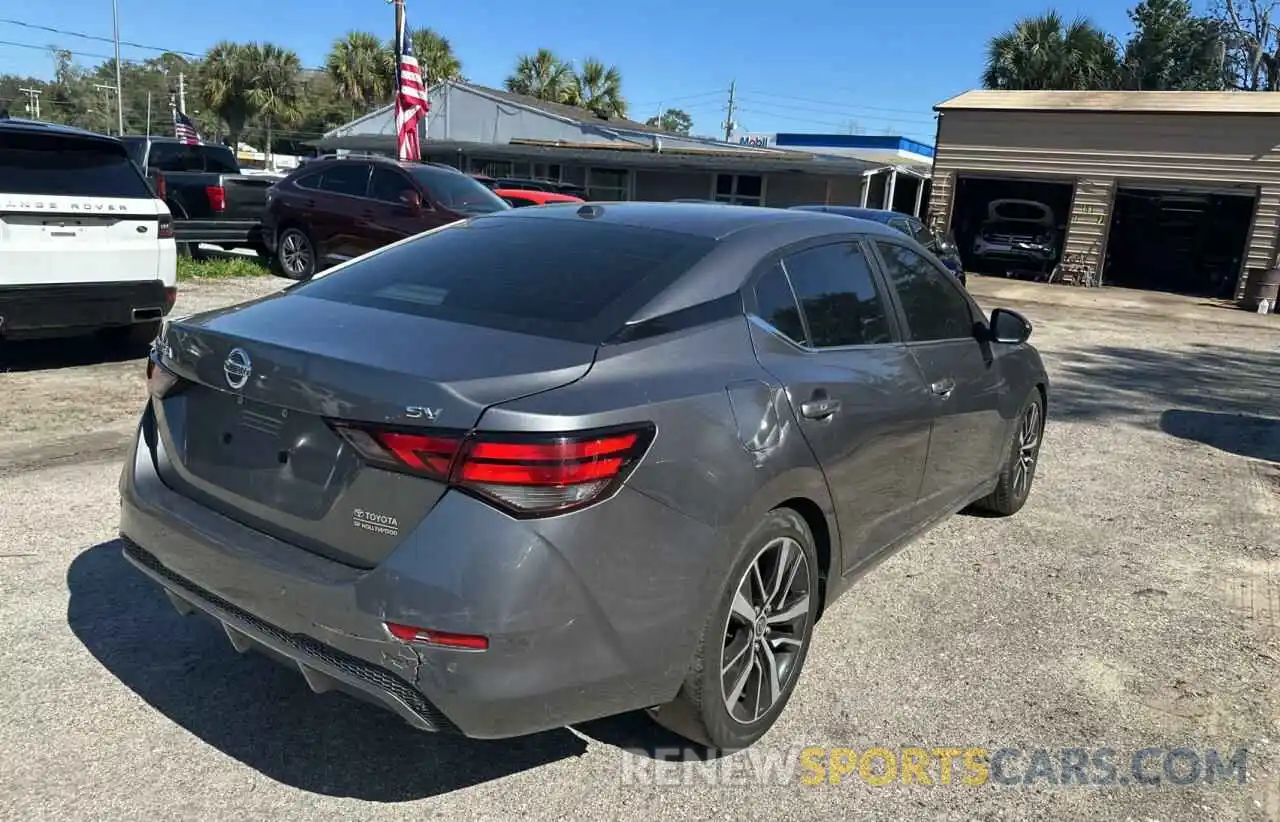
[(711, 220), (879, 215), (14, 124)]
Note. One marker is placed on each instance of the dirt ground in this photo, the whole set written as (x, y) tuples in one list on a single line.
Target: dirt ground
[(1134, 603)]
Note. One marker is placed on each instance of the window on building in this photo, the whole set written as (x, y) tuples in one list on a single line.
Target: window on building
[(606, 184), (838, 293), (491, 168), (739, 189), (934, 307)]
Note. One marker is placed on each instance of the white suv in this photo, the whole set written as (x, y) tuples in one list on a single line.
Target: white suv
[(84, 243)]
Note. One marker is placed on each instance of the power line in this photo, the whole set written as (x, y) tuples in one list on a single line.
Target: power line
[(827, 102), (665, 100), (94, 37), (34, 47), (851, 112), (784, 116)]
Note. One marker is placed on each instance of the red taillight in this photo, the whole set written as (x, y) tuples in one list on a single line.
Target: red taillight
[(162, 188), (170, 297), (217, 197), (464, 642), (166, 228), (525, 475)]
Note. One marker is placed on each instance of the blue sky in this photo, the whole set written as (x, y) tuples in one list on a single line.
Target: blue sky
[(800, 65)]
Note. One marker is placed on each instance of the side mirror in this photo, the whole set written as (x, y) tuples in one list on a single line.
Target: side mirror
[(412, 199), (1009, 327)]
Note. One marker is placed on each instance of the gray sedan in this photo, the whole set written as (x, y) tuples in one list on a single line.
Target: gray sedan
[(553, 464)]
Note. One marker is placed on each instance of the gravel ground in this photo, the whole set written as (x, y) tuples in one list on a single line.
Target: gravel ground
[(1133, 603)]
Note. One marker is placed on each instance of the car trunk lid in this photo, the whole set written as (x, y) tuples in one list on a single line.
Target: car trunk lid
[(248, 430)]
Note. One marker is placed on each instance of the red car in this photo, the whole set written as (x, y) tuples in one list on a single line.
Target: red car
[(519, 198), (331, 210)]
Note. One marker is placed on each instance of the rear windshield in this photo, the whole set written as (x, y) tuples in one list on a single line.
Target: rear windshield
[(457, 192), (61, 165), (567, 279)]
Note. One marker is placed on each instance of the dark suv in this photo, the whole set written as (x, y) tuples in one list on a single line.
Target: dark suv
[(335, 209)]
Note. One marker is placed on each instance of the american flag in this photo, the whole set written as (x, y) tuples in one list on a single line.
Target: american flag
[(184, 129), (411, 99)]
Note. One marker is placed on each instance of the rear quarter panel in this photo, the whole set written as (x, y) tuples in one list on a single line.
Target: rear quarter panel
[(706, 463)]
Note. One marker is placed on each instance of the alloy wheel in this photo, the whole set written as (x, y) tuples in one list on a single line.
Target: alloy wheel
[(1028, 449), (765, 633), (295, 254)]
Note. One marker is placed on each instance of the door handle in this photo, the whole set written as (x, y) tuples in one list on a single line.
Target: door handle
[(819, 408), (943, 388)]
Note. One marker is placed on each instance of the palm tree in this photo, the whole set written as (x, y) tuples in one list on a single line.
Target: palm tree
[(542, 75), (227, 77), (1046, 53), (277, 80), (435, 55), (598, 88), (362, 69)]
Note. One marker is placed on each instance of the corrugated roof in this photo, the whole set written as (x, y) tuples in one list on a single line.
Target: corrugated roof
[(1148, 102), (574, 113)]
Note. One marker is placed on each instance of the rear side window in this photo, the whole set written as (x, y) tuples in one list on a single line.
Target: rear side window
[(842, 305), (776, 305), (68, 166), (175, 157), (568, 279), (351, 179), (934, 307), (219, 160)]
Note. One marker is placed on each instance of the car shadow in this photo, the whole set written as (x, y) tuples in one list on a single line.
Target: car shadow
[(1099, 383), (262, 714), (65, 352), (1241, 434)]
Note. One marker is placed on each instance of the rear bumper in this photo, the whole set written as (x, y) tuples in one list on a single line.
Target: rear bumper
[(217, 232), (33, 310), (1028, 252), (561, 649)]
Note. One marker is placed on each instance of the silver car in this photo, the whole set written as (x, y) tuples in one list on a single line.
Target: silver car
[(553, 464)]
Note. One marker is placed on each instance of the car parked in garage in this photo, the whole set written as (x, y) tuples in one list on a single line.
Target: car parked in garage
[(334, 209), (552, 464), (942, 247), (1019, 234)]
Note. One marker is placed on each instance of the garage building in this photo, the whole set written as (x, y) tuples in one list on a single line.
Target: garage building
[(1174, 191)]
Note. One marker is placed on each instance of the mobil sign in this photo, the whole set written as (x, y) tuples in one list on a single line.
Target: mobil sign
[(757, 140)]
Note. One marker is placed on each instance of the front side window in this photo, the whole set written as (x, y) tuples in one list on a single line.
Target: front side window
[(387, 185), (459, 193), (837, 291), (935, 309)]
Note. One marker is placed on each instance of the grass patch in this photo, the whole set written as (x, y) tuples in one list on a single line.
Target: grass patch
[(221, 268)]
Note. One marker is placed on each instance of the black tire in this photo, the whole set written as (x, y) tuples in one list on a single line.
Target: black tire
[(131, 340), (1012, 486), (296, 254), (700, 711)]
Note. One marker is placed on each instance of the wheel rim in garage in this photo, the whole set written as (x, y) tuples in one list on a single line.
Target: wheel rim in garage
[(766, 630), (1028, 449), (295, 253)]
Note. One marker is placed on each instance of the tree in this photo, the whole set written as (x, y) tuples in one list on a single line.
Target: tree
[(363, 70), (1171, 49), (598, 88), (1250, 43), (1045, 53), (227, 78), (542, 75), (673, 120), (435, 56), (274, 95)]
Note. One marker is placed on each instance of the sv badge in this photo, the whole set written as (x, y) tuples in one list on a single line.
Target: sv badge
[(417, 412)]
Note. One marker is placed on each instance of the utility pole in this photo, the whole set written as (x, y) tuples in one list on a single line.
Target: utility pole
[(728, 120), (115, 20), (33, 101), (106, 99), (182, 92), (148, 114)]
